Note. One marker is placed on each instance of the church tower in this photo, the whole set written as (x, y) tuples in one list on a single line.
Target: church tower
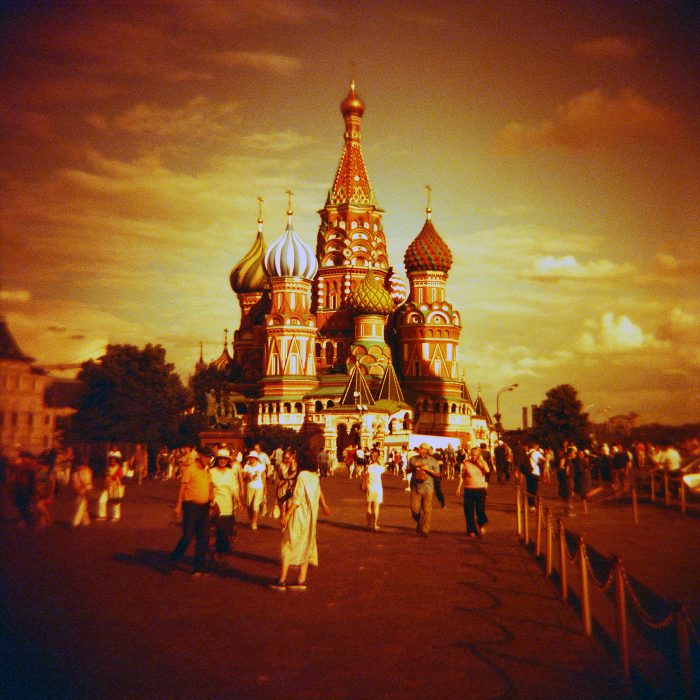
[(350, 240), (290, 327), (428, 329), (250, 282)]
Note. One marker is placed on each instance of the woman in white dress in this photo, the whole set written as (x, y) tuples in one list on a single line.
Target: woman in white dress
[(299, 527), (255, 488), (375, 492)]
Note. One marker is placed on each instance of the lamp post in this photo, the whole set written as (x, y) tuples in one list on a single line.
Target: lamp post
[(497, 416)]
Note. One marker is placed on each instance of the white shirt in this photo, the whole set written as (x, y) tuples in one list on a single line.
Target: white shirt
[(374, 472), (225, 489), (535, 457), (670, 459), (255, 470)]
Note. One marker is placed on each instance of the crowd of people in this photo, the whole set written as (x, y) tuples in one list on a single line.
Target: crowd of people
[(217, 484)]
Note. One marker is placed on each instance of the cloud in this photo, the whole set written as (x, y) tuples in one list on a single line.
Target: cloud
[(681, 327), (617, 47), (671, 264), (277, 141), (614, 334), (15, 295), (264, 61), (199, 117), (593, 120), (553, 269)]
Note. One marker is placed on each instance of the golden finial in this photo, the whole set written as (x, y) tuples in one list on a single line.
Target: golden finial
[(289, 202), (201, 351), (225, 338), (428, 210), (260, 203)]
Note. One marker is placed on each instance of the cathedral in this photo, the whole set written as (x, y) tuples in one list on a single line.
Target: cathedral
[(333, 342)]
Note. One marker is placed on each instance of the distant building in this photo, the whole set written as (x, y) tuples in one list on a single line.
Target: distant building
[(32, 403), (333, 342)]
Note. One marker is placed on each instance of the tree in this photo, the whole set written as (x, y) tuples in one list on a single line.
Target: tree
[(130, 395), (559, 417)]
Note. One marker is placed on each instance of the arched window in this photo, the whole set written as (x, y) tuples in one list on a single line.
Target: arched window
[(319, 350), (298, 407), (329, 404), (287, 408), (318, 406), (454, 408), (329, 353), (436, 408)]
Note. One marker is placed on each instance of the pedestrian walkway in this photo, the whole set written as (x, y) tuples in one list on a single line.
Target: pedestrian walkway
[(387, 614)]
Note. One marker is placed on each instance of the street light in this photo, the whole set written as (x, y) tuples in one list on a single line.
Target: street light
[(497, 416)]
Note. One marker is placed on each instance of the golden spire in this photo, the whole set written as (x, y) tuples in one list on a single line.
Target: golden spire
[(428, 210), (260, 203), (225, 338), (289, 202)]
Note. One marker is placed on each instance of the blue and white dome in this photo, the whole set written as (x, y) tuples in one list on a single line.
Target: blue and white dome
[(289, 256)]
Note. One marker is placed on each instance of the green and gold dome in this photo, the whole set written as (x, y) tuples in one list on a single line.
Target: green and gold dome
[(370, 297), (250, 275)]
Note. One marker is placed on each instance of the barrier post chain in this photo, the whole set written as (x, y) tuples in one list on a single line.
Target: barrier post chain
[(518, 504), (621, 617), (585, 598), (682, 494), (526, 521), (562, 561), (538, 537), (684, 652), (635, 508), (548, 534), (667, 495)]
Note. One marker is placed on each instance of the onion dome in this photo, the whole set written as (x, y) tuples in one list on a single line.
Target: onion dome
[(289, 256), (370, 297), (249, 275), (352, 104), (397, 287), (428, 251)]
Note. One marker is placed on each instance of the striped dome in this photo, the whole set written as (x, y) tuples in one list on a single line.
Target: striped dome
[(370, 297), (249, 275), (397, 287), (428, 251), (289, 256)]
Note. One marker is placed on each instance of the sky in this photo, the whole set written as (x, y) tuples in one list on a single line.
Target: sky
[(560, 138)]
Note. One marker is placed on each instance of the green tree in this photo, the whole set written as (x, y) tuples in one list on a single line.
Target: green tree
[(560, 417), (130, 395)]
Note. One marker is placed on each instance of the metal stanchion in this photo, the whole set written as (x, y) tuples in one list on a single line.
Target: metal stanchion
[(621, 617), (585, 598), (548, 535), (682, 494), (667, 493), (562, 561), (538, 518), (635, 509), (684, 652), (518, 510), (526, 521)]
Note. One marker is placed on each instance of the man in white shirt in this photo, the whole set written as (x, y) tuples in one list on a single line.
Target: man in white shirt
[(532, 478)]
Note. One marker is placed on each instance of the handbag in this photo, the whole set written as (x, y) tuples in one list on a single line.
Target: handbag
[(364, 482), (214, 510)]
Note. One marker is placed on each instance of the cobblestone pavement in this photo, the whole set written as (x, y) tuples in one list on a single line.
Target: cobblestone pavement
[(91, 613)]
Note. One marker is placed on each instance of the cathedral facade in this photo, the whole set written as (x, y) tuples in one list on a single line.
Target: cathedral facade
[(333, 342)]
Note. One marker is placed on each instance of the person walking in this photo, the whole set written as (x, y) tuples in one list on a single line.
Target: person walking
[(228, 484), (193, 499), (535, 463), (253, 475), (299, 548), (82, 486), (322, 463), (472, 482), (114, 488), (423, 470), (375, 491)]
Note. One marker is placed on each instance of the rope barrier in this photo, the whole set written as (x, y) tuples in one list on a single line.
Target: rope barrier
[(646, 617), (611, 573), (607, 572)]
